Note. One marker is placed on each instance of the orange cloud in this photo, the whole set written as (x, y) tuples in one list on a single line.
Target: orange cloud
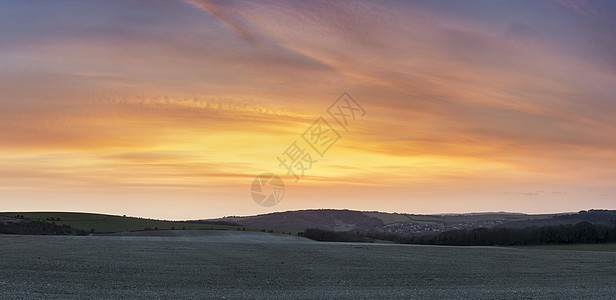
[(465, 111)]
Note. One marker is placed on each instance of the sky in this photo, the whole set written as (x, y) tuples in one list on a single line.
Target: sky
[(170, 109)]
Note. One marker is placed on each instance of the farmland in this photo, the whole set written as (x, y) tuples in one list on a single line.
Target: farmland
[(611, 247), (283, 266), (100, 223)]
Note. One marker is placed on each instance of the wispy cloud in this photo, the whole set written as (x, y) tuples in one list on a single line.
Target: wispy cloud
[(583, 7), (217, 10), (464, 100)]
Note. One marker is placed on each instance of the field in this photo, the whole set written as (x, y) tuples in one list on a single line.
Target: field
[(388, 218), (575, 247), (212, 264), (99, 223)]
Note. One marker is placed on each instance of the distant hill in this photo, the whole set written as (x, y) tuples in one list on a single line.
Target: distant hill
[(19, 225), (349, 220), (295, 221), (411, 224), (330, 219), (593, 216), (101, 223)]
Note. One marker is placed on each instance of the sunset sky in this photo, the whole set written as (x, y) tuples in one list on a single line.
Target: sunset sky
[(169, 109)]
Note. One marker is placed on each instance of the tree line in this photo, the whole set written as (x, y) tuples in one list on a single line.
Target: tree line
[(583, 232), (38, 228), (336, 236)]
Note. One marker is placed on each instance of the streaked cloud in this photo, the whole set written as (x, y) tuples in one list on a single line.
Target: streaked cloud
[(151, 99), (214, 8)]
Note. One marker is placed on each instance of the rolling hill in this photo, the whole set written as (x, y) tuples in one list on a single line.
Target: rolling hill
[(349, 220), (412, 224), (101, 223), (327, 219)]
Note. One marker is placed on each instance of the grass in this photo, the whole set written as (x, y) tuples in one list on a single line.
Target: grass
[(574, 247), (102, 223), (389, 218)]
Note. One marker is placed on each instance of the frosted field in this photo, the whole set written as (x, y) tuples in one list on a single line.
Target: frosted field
[(215, 264)]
